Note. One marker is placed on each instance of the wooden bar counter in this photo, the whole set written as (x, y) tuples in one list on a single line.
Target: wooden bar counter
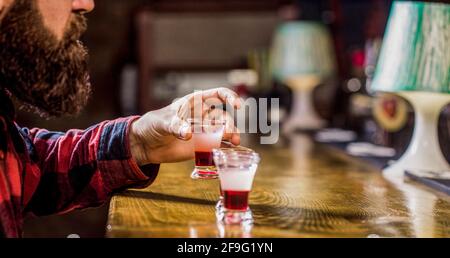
[(301, 189)]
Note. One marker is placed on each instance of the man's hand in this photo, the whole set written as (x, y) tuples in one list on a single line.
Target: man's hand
[(164, 135)]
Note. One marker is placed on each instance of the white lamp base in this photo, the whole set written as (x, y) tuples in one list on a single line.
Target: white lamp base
[(424, 152), (303, 115)]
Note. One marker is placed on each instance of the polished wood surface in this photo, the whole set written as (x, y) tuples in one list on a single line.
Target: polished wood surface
[(301, 189)]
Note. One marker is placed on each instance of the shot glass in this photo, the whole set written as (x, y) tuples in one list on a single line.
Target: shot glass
[(232, 150), (236, 173), (206, 135)]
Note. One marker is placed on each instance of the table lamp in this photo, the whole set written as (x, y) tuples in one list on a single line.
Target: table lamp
[(302, 58), (415, 63)]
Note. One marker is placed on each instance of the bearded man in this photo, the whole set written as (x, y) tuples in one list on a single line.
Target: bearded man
[(43, 65)]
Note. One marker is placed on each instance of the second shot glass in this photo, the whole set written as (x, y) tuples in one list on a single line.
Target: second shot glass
[(236, 173), (228, 149)]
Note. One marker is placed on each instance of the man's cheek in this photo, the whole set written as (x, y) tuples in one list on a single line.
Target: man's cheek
[(4, 6), (56, 15)]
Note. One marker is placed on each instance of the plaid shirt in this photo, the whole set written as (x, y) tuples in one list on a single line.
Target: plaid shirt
[(44, 172)]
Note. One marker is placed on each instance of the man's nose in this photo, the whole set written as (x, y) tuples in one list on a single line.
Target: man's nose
[(84, 6)]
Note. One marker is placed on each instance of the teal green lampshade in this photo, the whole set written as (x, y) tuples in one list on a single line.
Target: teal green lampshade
[(302, 48), (415, 55)]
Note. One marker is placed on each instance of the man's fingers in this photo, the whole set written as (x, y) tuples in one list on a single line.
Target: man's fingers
[(225, 95), (233, 137), (236, 139), (199, 104), (179, 128), (231, 132)]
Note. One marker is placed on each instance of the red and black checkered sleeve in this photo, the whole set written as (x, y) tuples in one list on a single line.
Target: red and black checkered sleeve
[(82, 168)]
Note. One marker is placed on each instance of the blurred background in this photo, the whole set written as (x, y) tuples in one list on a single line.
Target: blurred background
[(145, 53)]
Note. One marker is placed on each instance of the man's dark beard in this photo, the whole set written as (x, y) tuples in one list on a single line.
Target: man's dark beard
[(45, 74)]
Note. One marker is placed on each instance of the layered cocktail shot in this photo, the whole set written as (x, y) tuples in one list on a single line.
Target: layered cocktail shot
[(235, 150), (206, 135), (236, 173)]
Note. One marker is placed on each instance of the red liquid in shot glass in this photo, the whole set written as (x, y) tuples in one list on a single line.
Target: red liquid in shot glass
[(235, 186), (204, 159), (236, 200)]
